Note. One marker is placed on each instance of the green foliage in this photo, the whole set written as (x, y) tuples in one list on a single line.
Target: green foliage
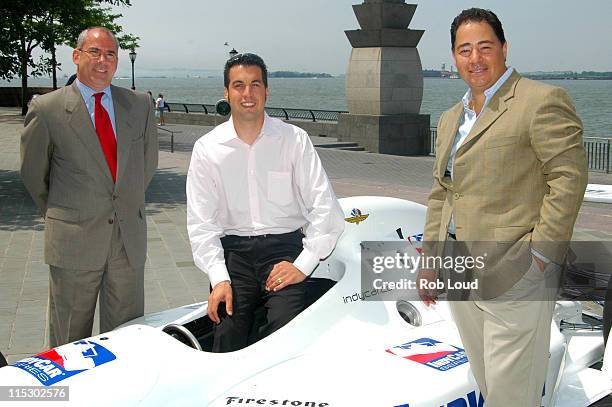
[(23, 26), (28, 24), (96, 15)]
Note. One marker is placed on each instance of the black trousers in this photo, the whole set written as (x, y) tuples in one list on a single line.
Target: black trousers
[(249, 261)]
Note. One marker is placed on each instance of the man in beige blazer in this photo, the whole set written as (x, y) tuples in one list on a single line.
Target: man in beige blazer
[(88, 153), (510, 167)]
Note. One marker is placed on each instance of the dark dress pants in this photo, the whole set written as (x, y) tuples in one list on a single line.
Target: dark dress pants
[(249, 261)]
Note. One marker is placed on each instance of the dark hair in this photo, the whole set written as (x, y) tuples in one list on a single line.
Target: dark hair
[(477, 15), (247, 60)]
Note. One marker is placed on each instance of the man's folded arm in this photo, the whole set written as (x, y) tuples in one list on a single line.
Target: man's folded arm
[(324, 215), (202, 209)]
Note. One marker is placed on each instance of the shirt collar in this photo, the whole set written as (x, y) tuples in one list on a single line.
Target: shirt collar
[(268, 129), (489, 92), (88, 92)]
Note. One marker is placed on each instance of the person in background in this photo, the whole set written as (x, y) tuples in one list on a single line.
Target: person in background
[(261, 211), (160, 105)]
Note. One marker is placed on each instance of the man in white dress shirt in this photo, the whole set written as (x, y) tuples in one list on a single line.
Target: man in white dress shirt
[(261, 212)]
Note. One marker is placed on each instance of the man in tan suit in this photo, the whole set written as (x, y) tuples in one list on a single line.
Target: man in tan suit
[(510, 167), (88, 153)]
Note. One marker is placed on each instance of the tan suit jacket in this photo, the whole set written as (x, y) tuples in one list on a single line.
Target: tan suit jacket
[(519, 175), (65, 171)]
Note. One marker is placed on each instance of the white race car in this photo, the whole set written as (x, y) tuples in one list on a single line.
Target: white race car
[(344, 350)]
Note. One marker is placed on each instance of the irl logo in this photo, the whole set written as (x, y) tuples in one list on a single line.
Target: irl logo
[(65, 361)]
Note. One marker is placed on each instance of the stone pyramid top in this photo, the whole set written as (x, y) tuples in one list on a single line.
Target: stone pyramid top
[(377, 14)]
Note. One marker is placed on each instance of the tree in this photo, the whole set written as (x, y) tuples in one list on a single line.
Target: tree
[(23, 27), (61, 18), (93, 14), (26, 25)]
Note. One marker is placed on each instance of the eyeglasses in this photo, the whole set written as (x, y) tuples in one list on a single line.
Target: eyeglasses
[(96, 53)]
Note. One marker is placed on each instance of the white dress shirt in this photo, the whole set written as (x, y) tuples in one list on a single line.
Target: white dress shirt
[(90, 102), (276, 185)]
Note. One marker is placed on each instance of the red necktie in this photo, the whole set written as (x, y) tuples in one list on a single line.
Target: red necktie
[(106, 135)]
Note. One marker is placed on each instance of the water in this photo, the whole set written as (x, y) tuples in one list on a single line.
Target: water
[(593, 99)]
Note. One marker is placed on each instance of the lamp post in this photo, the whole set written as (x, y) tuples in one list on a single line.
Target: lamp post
[(133, 58), (233, 53)]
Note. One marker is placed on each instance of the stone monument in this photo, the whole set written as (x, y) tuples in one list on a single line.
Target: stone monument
[(384, 81)]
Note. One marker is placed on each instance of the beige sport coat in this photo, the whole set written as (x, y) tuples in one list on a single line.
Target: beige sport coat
[(520, 175)]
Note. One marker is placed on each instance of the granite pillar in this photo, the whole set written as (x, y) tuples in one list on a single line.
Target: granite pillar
[(384, 81)]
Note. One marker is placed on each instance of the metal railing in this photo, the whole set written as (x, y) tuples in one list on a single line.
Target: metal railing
[(172, 132), (598, 150), (433, 135), (598, 153), (280, 112), (191, 108)]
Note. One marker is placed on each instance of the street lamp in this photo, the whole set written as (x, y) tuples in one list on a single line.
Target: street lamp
[(133, 58), (233, 53)]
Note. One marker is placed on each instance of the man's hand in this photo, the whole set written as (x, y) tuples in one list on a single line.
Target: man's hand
[(222, 292), (426, 294), (282, 275)]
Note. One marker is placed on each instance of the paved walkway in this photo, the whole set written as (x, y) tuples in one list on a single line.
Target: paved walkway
[(171, 279)]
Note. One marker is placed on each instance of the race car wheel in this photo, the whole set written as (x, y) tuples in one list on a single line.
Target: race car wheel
[(183, 335), (2, 360)]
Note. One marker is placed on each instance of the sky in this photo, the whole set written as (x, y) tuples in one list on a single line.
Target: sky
[(185, 36)]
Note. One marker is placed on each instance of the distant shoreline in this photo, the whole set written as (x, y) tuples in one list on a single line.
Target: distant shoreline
[(542, 76), (427, 74), (554, 78), (293, 74)]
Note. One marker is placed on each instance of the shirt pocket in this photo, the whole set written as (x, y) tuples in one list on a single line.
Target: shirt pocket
[(280, 190)]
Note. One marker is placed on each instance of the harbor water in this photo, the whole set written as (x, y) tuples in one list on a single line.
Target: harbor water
[(593, 98)]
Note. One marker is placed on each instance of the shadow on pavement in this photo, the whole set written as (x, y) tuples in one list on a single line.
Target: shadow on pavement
[(17, 210), (167, 190)]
